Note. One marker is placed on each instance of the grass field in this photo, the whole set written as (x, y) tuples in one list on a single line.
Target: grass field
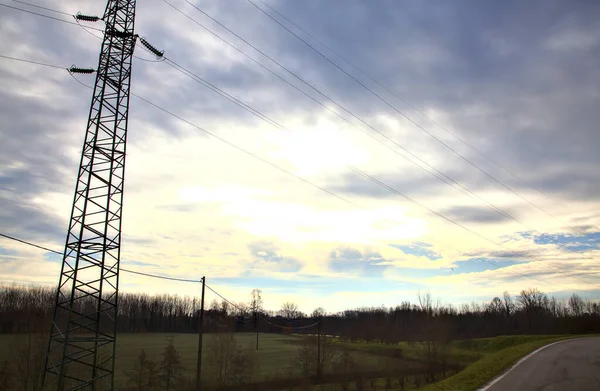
[(276, 354), (499, 354), (483, 358), (459, 354)]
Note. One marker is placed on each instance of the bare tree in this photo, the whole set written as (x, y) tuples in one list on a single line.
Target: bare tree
[(326, 354), (220, 349), (345, 366), (318, 313), (256, 303), (435, 335), (496, 306), (225, 306), (307, 360), (27, 354), (5, 375), (576, 304), (142, 377), (243, 366), (532, 300), (509, 305), (553, 306), (426, 303), (241, 310), (171, 367), (289, 310)]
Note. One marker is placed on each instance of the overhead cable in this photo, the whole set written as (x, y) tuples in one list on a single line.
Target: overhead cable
[(454, 151), (494, 162), (120, 268)]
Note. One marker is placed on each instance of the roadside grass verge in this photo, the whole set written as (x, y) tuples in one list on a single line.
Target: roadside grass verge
[(484, 358), (494, 363)]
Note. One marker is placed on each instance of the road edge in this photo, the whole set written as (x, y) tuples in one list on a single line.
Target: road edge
[(500, 377)]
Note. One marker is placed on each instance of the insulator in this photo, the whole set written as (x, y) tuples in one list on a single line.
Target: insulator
[(74, 69), (154, 50), (86, 18)]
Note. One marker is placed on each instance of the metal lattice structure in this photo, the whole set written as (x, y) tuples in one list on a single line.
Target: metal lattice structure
[(81, 349)]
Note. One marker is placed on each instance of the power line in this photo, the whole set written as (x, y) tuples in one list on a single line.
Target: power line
[(204, 82), (242, 310), (269, 120), (159, 276), (212, 87), (288, 327), (44, 8), (410, 199), (236, 146), (223, 297), (343, 199), (30, 244), (80, 82), (488, 204), (468, 161), (45, 16), (444, 178), (353, 168), (183, 279), (120, 268), (32, 62), (246, 151), (219, 91), (85, 28), (241, 104), (406, 102), (335, 195), (274, 123)]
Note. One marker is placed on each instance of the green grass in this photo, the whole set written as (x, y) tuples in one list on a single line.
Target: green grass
[(483, 358), (490, 345), (275, 357), (499, 354), (458, 354)]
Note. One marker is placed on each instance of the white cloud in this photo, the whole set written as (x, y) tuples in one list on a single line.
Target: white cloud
[(194, 205)]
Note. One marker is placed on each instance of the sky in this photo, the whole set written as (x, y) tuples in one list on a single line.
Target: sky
[(441, 147)]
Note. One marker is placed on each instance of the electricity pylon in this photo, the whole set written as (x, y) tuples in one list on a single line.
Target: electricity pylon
[(81, 348)]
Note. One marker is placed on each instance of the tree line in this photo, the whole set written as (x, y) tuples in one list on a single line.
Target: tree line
[(29, 309)]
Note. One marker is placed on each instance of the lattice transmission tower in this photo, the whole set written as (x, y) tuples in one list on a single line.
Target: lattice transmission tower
[(81, 348)]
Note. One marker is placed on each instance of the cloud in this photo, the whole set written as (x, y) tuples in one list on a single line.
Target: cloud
[(419, 249), (475, 215), (351, 260), (267, 255), (516, 82)]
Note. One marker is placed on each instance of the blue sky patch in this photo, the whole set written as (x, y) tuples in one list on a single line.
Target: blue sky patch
[(321, 285), (419, 249), (8, 252), (482, 264), (577, 243)]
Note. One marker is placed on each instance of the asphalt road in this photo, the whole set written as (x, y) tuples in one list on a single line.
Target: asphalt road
[(570, 366)]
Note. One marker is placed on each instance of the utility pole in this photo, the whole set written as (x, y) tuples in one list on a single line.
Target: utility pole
[(81, 347), (319, 361), (256, 327), (256, 304), (200, 335)]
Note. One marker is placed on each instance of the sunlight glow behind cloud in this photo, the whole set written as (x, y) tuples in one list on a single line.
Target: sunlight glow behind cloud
[(521, 93)]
